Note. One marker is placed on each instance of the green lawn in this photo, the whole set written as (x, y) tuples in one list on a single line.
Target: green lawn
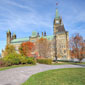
[(67, 76), (14, 66)]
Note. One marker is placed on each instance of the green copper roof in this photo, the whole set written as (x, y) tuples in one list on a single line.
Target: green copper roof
[(20, 40), (34, 34), (8, 30), (48, 37), (57, 15)]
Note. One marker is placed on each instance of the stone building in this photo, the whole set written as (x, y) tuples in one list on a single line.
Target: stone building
[(59, 39)]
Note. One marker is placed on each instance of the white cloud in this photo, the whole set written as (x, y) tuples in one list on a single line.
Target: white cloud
[(21, 19)]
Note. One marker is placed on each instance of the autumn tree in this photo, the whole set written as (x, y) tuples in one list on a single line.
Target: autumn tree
[(27, 48), (77, 47), (43, 47), (9, 49)]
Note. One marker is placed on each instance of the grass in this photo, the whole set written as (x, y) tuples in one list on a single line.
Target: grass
[(65, 63), (67, 76), (14, 66)]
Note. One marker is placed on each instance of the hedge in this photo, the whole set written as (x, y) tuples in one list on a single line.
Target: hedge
[(44, 61)]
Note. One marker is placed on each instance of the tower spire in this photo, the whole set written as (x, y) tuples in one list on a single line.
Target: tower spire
[(57, 15), (8, 37), (8, 30)]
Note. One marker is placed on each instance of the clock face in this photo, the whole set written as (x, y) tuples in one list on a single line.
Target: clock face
[(57, 22)]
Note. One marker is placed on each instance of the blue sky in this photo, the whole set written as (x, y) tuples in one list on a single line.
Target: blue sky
[(24, 16)]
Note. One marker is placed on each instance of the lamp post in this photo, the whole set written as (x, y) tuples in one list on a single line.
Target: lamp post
[(55, 47)]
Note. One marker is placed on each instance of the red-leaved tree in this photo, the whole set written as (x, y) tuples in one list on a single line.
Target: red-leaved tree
[(27, 48), (77, 47)]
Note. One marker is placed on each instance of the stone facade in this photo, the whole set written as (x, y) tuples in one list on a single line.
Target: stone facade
[(59, 39)]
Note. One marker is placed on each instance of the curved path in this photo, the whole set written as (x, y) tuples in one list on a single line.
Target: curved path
[(16, 76)]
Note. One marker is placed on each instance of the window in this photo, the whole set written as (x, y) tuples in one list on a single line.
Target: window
[(64, 51), (64, 56)]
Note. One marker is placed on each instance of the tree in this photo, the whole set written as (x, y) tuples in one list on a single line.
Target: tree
[(9, 49), (27, 48), (77, 47), (43, 47)]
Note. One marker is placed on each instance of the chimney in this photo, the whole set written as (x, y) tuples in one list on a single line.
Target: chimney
[(44, 33), (38, 34)]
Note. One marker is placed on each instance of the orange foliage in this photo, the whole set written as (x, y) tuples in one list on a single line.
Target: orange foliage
[(27, 48), (77, 47)]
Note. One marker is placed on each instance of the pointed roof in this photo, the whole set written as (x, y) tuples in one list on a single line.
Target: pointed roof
[(8, 30), (61, 28), (57, 15), (14, 34)]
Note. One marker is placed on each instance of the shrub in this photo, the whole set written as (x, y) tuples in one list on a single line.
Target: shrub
[(7, 63), (9, 49), (44, 61), (23, 60), (27, 60), (2, 63), (31, 60), (12, 59), (16, 59)]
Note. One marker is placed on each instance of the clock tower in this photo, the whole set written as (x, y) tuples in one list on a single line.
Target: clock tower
[(57, 22), (61, 38)]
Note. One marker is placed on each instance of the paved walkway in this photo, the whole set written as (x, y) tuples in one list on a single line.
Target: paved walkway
[(16, 76)]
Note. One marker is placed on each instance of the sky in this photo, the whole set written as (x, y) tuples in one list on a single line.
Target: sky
[(24, 16)]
